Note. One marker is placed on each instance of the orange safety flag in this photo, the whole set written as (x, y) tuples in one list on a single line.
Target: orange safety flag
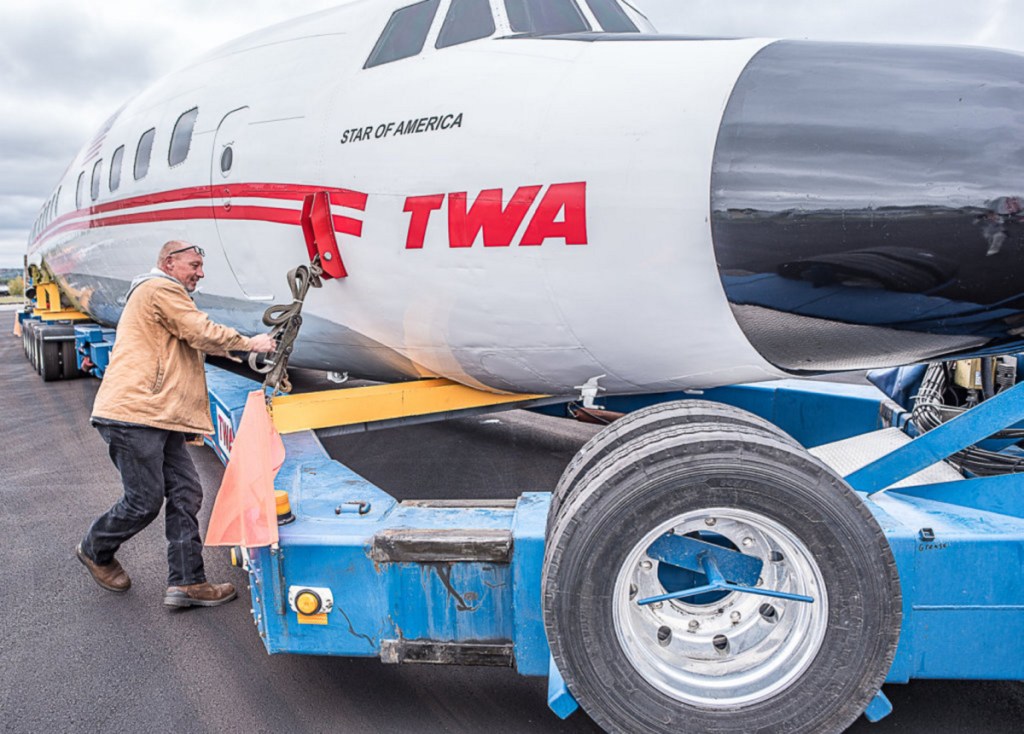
[(17, 325), (245, 512)]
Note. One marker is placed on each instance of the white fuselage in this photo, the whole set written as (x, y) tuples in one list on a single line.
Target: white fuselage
[(606, 269)]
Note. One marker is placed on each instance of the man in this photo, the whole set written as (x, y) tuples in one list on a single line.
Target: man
[(152, 401)]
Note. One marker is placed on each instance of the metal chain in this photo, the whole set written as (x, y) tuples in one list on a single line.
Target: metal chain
[(285, 321)]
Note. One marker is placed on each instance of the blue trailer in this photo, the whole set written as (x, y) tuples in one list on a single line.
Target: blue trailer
[(751, 558), (756, 558)]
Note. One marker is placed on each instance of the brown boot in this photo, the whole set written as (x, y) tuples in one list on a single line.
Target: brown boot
[(111, 577), (199, 595)]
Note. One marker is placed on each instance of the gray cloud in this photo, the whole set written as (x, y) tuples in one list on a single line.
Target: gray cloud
[(983, 22), (66, 66), (62, 72), (72, 54)]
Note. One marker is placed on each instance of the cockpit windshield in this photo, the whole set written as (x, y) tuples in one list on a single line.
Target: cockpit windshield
[(467, 20), (404, 34), (409, 27), (611, 16), (545, 16)]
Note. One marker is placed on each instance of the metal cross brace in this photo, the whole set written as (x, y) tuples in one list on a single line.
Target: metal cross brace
[(680, 551), (965, 430)]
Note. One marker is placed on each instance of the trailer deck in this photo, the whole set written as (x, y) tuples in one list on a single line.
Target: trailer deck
[(460, 582), (358, 573)]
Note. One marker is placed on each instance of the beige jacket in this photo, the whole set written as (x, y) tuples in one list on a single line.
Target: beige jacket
[(156, 375)]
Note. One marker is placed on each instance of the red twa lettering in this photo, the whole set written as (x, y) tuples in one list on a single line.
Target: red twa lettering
[(499, 224), (568, 197), (421, 207), (561, 214)]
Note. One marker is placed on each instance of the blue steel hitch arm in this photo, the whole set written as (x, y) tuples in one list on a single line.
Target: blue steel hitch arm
[(682, 552)]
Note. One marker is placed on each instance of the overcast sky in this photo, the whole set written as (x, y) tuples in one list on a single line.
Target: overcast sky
[(66, 66)]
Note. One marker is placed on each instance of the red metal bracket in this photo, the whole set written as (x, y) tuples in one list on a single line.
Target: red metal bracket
[(318, 228)]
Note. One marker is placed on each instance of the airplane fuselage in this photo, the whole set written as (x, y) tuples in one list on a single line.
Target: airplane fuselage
[(525, 212)]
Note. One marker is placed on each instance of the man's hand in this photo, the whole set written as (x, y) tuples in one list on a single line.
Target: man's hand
[(262, 343)]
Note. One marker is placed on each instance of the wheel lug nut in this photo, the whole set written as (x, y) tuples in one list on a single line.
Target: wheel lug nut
[(735, 617), (710, 521), (747, 542), (760, 581), (694, 625), (656, 605), (646, 565)]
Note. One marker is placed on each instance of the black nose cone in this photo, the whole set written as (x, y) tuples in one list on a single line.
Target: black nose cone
[(868, 203)]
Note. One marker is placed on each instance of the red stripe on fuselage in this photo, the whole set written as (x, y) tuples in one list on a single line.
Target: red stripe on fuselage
[(273, 215), (289, 192), (285, 192)]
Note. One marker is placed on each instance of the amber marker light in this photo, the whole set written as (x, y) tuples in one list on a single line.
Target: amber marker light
[(307, 602), (284, 507)]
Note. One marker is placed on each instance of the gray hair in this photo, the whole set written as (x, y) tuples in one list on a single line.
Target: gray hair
[(169, 247)]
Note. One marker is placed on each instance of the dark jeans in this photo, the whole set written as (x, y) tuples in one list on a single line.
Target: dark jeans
[(154, 466)]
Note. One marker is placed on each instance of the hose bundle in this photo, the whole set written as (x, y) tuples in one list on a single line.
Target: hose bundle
[(931, 410)]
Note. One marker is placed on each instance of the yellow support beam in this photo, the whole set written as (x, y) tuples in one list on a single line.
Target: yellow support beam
[(351, 406), (69, 314), (48, 305)]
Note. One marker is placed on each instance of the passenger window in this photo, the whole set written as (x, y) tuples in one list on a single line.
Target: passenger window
[(94, 190), (143, 152), (612, 17), (181, 137), (227, 159), (405, 33), (545, 16), (78, 190), (115, 168), (467, 20)]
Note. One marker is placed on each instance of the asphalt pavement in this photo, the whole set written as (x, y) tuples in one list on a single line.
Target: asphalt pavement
[(75, 658)]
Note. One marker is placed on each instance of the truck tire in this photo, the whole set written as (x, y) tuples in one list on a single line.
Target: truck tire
[(28, 339), (735, 662), (25, 339), (37, 348), (69, 361), (644, 421), (49, 360)]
